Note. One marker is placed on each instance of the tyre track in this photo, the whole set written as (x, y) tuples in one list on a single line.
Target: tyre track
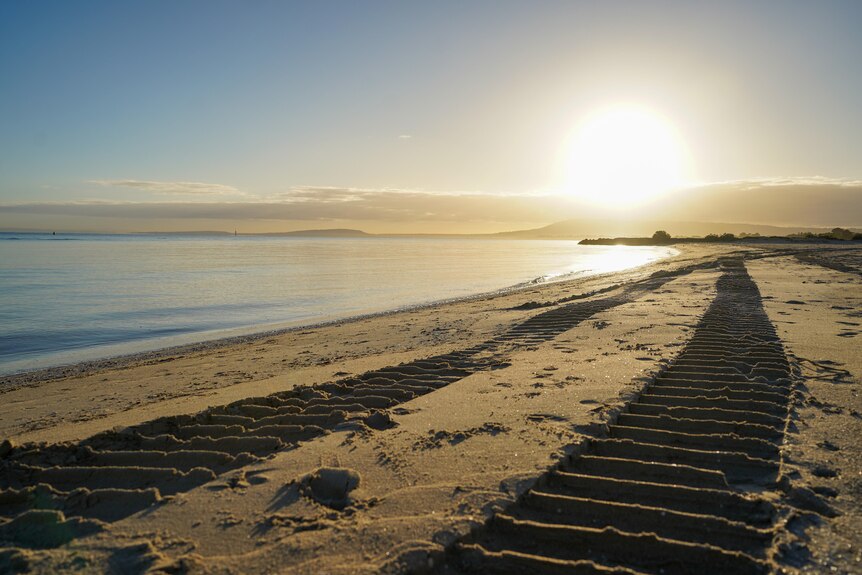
[(677, 484), (839, 260), (114, 474)]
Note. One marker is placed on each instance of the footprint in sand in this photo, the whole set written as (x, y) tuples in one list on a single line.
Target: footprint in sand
[(330, 486), (824, 471)]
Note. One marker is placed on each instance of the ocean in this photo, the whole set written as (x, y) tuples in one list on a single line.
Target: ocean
[(73, 297)]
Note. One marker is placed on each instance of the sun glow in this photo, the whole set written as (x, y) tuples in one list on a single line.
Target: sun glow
[(624, 156)]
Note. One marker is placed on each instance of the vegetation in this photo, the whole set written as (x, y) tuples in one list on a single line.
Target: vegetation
[(725, 237), (836, 234), (663, 237)]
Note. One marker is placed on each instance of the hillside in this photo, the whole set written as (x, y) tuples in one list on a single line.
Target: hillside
[(577, 229)]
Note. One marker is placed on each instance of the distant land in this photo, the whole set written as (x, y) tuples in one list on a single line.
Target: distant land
[(564, 230), (578, 229), (188, 233), (326, 233), (329, 233)]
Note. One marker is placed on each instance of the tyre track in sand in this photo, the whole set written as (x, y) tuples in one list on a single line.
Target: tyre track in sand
[(685, 478), (847, 261), (64, 487)]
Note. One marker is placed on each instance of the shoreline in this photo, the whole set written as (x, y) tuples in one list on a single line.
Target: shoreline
[(78, 400), (253, 333), (441, 418)]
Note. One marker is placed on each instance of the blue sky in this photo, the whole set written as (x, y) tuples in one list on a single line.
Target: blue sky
[(262, 101)]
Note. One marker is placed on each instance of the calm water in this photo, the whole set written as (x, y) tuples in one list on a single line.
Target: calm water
[(69, 298)]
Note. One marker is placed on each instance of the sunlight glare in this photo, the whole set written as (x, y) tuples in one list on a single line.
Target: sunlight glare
[(624, 156), (616, 258)]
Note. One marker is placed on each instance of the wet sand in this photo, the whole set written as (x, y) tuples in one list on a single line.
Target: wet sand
[(449, 438)]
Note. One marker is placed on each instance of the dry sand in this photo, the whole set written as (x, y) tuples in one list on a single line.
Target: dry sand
[(818, 314), (353, 465)]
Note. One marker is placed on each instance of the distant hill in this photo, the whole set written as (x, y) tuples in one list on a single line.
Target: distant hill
[(579, 229), (330, 233), (188, 233)]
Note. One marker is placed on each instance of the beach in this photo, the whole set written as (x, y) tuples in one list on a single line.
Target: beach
[(429, 439), (70, 298), (430, 288)]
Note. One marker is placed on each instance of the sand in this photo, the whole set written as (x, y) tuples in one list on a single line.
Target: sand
[(431, 439), (818, 314)]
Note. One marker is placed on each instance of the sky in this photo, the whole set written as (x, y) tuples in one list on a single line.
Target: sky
[(413, 116)]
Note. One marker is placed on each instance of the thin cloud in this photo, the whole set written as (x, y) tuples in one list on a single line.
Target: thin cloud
[(813, 181), (322, 203), (791, 201), (171, 188), (814, 201), (345, 194), (775, 182)]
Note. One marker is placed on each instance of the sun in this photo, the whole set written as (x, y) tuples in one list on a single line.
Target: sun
[(624, 156)]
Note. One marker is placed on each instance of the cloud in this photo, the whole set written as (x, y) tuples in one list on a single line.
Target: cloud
[(775, 182), (171, 188), (322, 203), (814, 201), (792, 201), (812, 181), (405, 137), (344, 194)]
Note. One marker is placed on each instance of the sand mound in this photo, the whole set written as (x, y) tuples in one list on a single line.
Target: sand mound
[(45, 528), (330, 486)]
